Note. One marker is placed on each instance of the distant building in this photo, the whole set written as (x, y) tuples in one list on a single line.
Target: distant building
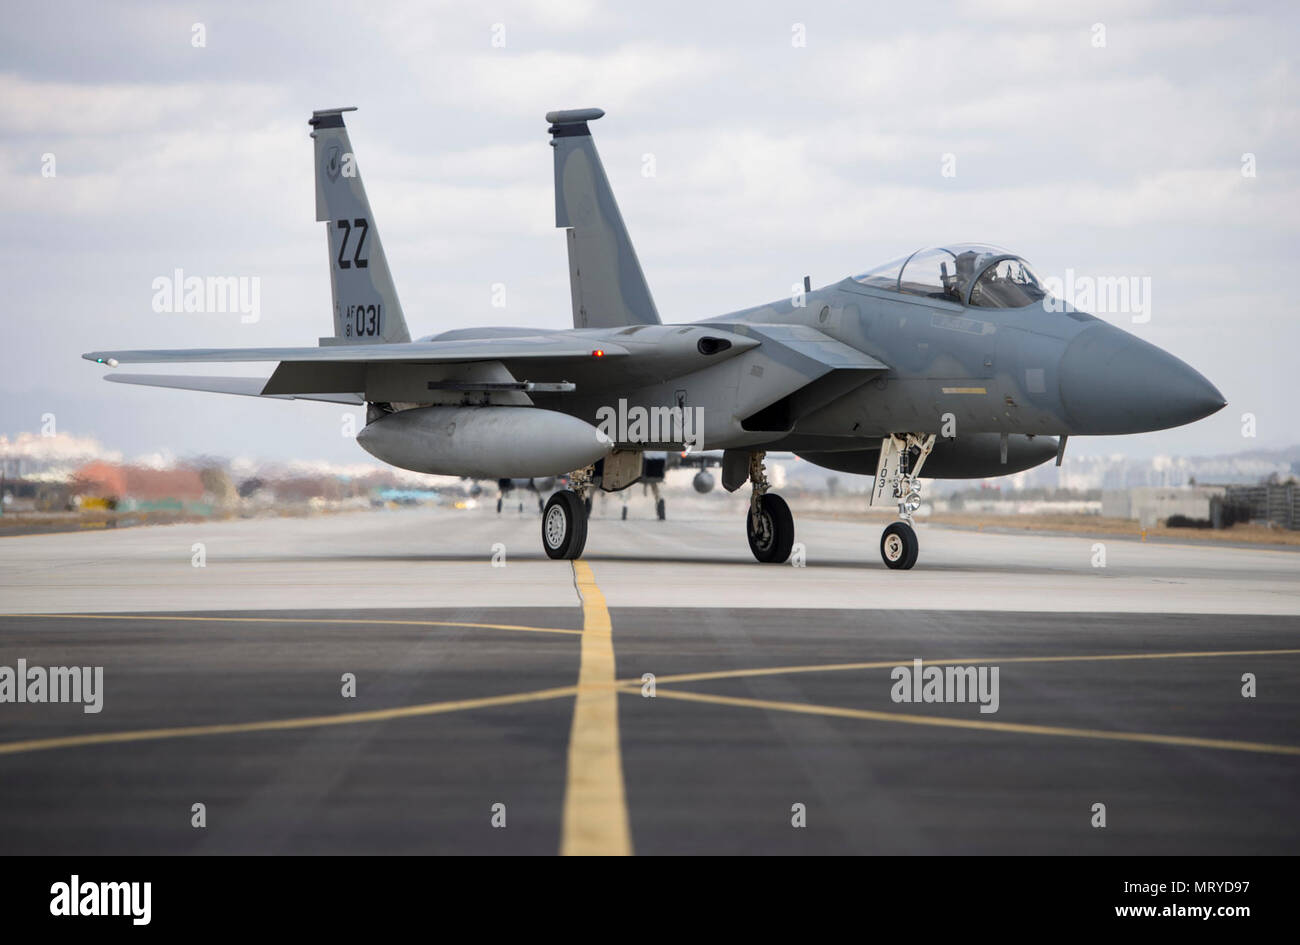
[(1276, 502), (1152, 504), (113, 481)]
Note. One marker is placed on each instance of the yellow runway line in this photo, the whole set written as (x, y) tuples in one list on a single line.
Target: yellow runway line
[(275, 725), (988, 660), (1011, 727), (595, 802)]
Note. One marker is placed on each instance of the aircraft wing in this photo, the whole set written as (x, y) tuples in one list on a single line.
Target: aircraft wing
[(396, 371), (797, 370), (246, 386), (415, 352)]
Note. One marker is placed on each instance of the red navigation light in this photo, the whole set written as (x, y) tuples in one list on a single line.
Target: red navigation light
[(598, 353)]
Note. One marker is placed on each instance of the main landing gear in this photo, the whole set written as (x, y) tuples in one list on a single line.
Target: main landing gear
[(661, 508), (897, 474), (769, 524), (564, 520), (502, 498)]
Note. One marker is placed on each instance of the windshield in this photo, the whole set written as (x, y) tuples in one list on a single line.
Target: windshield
[(987, 276), (886, 276), (1008, 283)]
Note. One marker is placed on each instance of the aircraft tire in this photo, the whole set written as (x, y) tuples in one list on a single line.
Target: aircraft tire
[(625, 513), (498, 506), (899, 546), (661, 510), (772, 540), (564, 526)]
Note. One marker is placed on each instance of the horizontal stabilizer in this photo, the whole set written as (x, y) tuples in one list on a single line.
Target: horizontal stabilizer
[(244, 386)]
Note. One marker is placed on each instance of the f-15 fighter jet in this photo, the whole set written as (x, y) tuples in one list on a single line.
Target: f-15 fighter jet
[(954, 360)]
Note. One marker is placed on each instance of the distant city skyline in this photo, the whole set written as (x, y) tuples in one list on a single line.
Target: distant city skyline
[(37, 456)]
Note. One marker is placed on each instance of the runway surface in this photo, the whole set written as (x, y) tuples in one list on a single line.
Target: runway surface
[(524, 685)]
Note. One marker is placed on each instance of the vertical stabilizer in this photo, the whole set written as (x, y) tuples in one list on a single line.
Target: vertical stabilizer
[(366, 309), (605, 277)]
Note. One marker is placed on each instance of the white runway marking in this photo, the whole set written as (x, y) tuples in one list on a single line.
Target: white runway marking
[(426, 558)]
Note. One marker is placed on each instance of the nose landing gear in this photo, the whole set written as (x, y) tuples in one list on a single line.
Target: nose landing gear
[(897, 474), (899, 546)]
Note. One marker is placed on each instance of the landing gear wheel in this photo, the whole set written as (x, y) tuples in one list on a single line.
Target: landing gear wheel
[(498, 506), (564, 526), (587, 505), (661, 510), (772, 536), (899, 546), (625, 513)]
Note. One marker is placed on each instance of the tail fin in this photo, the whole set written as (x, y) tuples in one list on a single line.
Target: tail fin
[(366, 309), (605, 278)]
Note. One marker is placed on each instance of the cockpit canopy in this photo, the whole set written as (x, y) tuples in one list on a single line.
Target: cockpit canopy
[(964, 273)]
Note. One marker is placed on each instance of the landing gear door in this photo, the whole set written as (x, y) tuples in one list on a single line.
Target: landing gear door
[(887, 470)]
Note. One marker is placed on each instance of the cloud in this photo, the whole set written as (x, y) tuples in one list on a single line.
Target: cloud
[(771, 161)]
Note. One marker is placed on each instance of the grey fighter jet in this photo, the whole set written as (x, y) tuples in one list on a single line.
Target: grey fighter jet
[(954, 361)]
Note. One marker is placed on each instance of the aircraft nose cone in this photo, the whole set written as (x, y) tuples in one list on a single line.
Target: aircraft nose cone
[(1112, 382)]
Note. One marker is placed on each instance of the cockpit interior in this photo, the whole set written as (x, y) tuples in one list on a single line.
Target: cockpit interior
[(963, 273)]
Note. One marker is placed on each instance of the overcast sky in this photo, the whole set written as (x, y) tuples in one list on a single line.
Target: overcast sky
[(771, 160)]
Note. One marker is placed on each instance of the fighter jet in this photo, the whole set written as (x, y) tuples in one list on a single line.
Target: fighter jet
[(954, 360)]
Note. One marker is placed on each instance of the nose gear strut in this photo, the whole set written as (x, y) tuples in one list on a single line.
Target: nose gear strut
[(898, 472)]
